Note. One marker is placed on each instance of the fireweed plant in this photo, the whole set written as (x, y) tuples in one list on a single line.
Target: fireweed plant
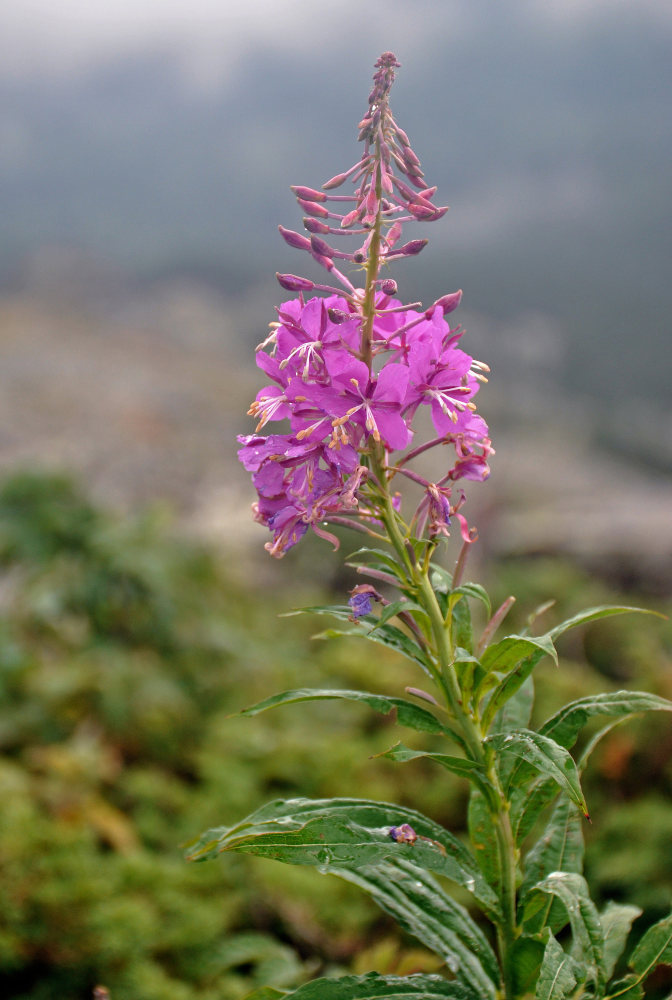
[(349, 372)]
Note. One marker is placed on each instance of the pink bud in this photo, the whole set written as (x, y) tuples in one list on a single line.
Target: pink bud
[(319, 246), (336, 181), (393, 234), (293, 283), (338, 316), (310, 208), (412, 248), (350, 218), (447, 303), (403, 138), (388, 287), (294, 239), (313, 226), (426, 212), (309, 194)]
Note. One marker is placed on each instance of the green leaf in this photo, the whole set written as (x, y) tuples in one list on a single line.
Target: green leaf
[(346, 832), (373, 986), (421, 906), (408, 714), (267, 993), (460, 625), (477, 593), (516, 711), (385, 635), (588, 937), (556, 976), (654, 949), (628, 988), (616, 920), (458, 765), (525, 960), (399, 607), (508, 652), (483, 837), (506, 689), (546, 756), (564, 726), (560, 848), (528, 800), (592, 614)]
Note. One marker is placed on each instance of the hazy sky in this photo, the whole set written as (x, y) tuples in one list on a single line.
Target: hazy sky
[(43, 36)]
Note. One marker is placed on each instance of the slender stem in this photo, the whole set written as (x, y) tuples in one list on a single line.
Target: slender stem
[(444, 672)]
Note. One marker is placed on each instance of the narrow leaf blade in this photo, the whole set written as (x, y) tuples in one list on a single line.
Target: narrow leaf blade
[(546, 756), (556, 976), (408, 713), (564, 726), (348, 833), (616, 920), (587, 932), (421, 906), (373, 986)]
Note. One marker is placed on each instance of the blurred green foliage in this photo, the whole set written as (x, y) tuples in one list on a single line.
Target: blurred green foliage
[(124, 649)]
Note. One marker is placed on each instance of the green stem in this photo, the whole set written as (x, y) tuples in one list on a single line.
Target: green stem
[(445, 676)]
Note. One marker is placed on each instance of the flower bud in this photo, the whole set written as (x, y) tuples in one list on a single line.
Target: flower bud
[(338, 316), (336, 181), (311, 208), (412, 248), (319, 246), (313, 226), (447, 303), (293, 283), (294, 239), (388, 287), (308, 194), (350, 218)]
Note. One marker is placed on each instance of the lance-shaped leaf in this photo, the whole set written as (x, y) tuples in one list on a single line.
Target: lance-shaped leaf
[(564, 726), (385, 635), (421, 906), (528, 801), (366, 556), (515, 654), (267, 993), (593, 614), (508, 652), (483, 837), (557, 977), (346, 832), (616, 920), (408, 713), (560, 848), (654, 949), (545, 756), (507, 688), (461, 766), (525, 959), (400, 608), (587, 933), (373, 986)]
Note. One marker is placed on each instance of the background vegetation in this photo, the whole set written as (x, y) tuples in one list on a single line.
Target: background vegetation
[(124, 649)]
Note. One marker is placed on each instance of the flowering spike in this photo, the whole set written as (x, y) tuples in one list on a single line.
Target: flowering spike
[(347, 373)]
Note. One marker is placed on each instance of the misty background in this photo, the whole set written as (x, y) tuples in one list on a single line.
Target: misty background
[(146, 152)]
